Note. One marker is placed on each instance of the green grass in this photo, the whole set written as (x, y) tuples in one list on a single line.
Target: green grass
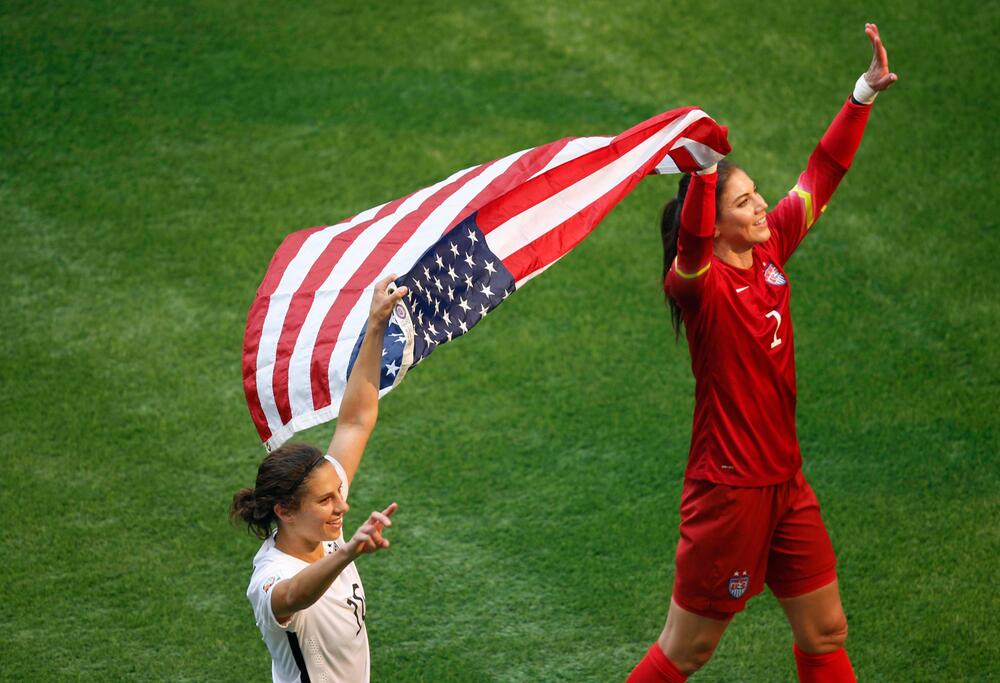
[(152, 157)]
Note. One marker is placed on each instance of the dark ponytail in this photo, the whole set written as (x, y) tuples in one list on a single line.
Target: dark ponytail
[(670, 223), (280, 480)]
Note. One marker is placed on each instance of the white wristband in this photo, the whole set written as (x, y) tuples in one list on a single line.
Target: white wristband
[(864, 93)]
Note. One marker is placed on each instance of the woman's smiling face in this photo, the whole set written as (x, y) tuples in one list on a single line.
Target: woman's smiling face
[(741, 218), (320, 514)]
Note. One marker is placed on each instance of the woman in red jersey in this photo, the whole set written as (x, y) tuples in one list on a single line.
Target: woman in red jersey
[(748, 517)]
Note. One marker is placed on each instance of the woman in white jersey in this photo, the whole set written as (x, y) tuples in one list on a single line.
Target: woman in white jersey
[(306, 593)]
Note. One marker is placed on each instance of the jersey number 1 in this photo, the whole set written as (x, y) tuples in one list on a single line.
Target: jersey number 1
[(777, 316)]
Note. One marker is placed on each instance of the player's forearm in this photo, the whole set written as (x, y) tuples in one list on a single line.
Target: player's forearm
[(309, 585), (360, 402), (694, 240), (842, 138)]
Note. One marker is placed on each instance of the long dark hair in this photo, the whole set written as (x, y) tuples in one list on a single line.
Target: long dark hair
[(670, 222), (281, 479)]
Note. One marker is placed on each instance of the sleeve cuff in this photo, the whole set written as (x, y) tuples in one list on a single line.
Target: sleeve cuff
[(863, 93)]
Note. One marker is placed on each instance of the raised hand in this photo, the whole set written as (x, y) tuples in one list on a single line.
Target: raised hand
[(706, 144), (383, 301), (368, 538), (878, 75)]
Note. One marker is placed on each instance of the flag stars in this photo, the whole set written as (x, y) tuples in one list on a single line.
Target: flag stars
[(457, 284), (391, 369)]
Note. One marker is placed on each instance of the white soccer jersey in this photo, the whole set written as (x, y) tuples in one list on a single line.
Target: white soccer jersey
[(328, 640)]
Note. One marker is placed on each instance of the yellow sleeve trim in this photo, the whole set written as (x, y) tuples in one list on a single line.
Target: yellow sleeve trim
[(807, 198), (690, 276)]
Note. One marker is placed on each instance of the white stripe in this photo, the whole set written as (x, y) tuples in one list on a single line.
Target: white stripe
[(553, 211), (574, 149), (518, 284), (667, 167), (704, 155), (277, 308)]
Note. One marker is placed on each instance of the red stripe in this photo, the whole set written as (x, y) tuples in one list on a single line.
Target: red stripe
[(255, 322), (558, 241), (526, 166), (302, 301), (505, 207), (366, 273)]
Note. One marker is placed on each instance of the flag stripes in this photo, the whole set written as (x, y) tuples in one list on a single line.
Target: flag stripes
[(531, 208)]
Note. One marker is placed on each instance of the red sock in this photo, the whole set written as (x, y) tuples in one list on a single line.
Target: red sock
[(656, 668), (833, 667)]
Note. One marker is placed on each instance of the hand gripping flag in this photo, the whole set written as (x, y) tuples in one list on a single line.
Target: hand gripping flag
[(464, 245)]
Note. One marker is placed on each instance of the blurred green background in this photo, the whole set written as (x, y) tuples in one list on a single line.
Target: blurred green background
[(153, 156)]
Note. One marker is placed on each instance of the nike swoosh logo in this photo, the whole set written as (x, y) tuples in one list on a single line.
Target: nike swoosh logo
[(740, 289)]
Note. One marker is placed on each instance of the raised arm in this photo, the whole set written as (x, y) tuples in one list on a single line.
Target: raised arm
[(689, 271), (359, 406), (796, 213)]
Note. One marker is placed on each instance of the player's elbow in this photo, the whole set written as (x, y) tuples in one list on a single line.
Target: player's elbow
[(358, 420)]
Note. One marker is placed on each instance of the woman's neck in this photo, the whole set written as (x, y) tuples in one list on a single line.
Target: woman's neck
[(296, 546), (738, 258)]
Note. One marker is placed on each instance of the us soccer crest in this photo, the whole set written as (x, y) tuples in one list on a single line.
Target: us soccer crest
[(773, 276), (738, 584)]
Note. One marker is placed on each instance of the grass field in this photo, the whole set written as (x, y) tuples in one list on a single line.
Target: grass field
[(153, 156)]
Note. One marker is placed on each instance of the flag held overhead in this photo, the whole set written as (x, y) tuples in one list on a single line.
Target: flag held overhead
[(463, 245)]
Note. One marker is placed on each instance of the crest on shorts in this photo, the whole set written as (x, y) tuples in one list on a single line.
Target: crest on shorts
[(773, 276), (738, 584)]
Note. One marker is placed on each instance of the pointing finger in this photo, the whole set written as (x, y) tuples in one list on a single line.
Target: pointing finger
[(381, 519)]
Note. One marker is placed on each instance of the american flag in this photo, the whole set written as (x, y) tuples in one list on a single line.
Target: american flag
[(464, 245)]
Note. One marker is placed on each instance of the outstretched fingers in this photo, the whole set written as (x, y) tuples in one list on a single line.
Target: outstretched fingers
[(878, 75), (369, 535)]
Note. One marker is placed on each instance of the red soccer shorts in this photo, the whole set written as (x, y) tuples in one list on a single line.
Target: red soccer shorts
[(735, 539)]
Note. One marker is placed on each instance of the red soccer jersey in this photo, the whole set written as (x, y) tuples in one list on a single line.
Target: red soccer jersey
[(739, 323)]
